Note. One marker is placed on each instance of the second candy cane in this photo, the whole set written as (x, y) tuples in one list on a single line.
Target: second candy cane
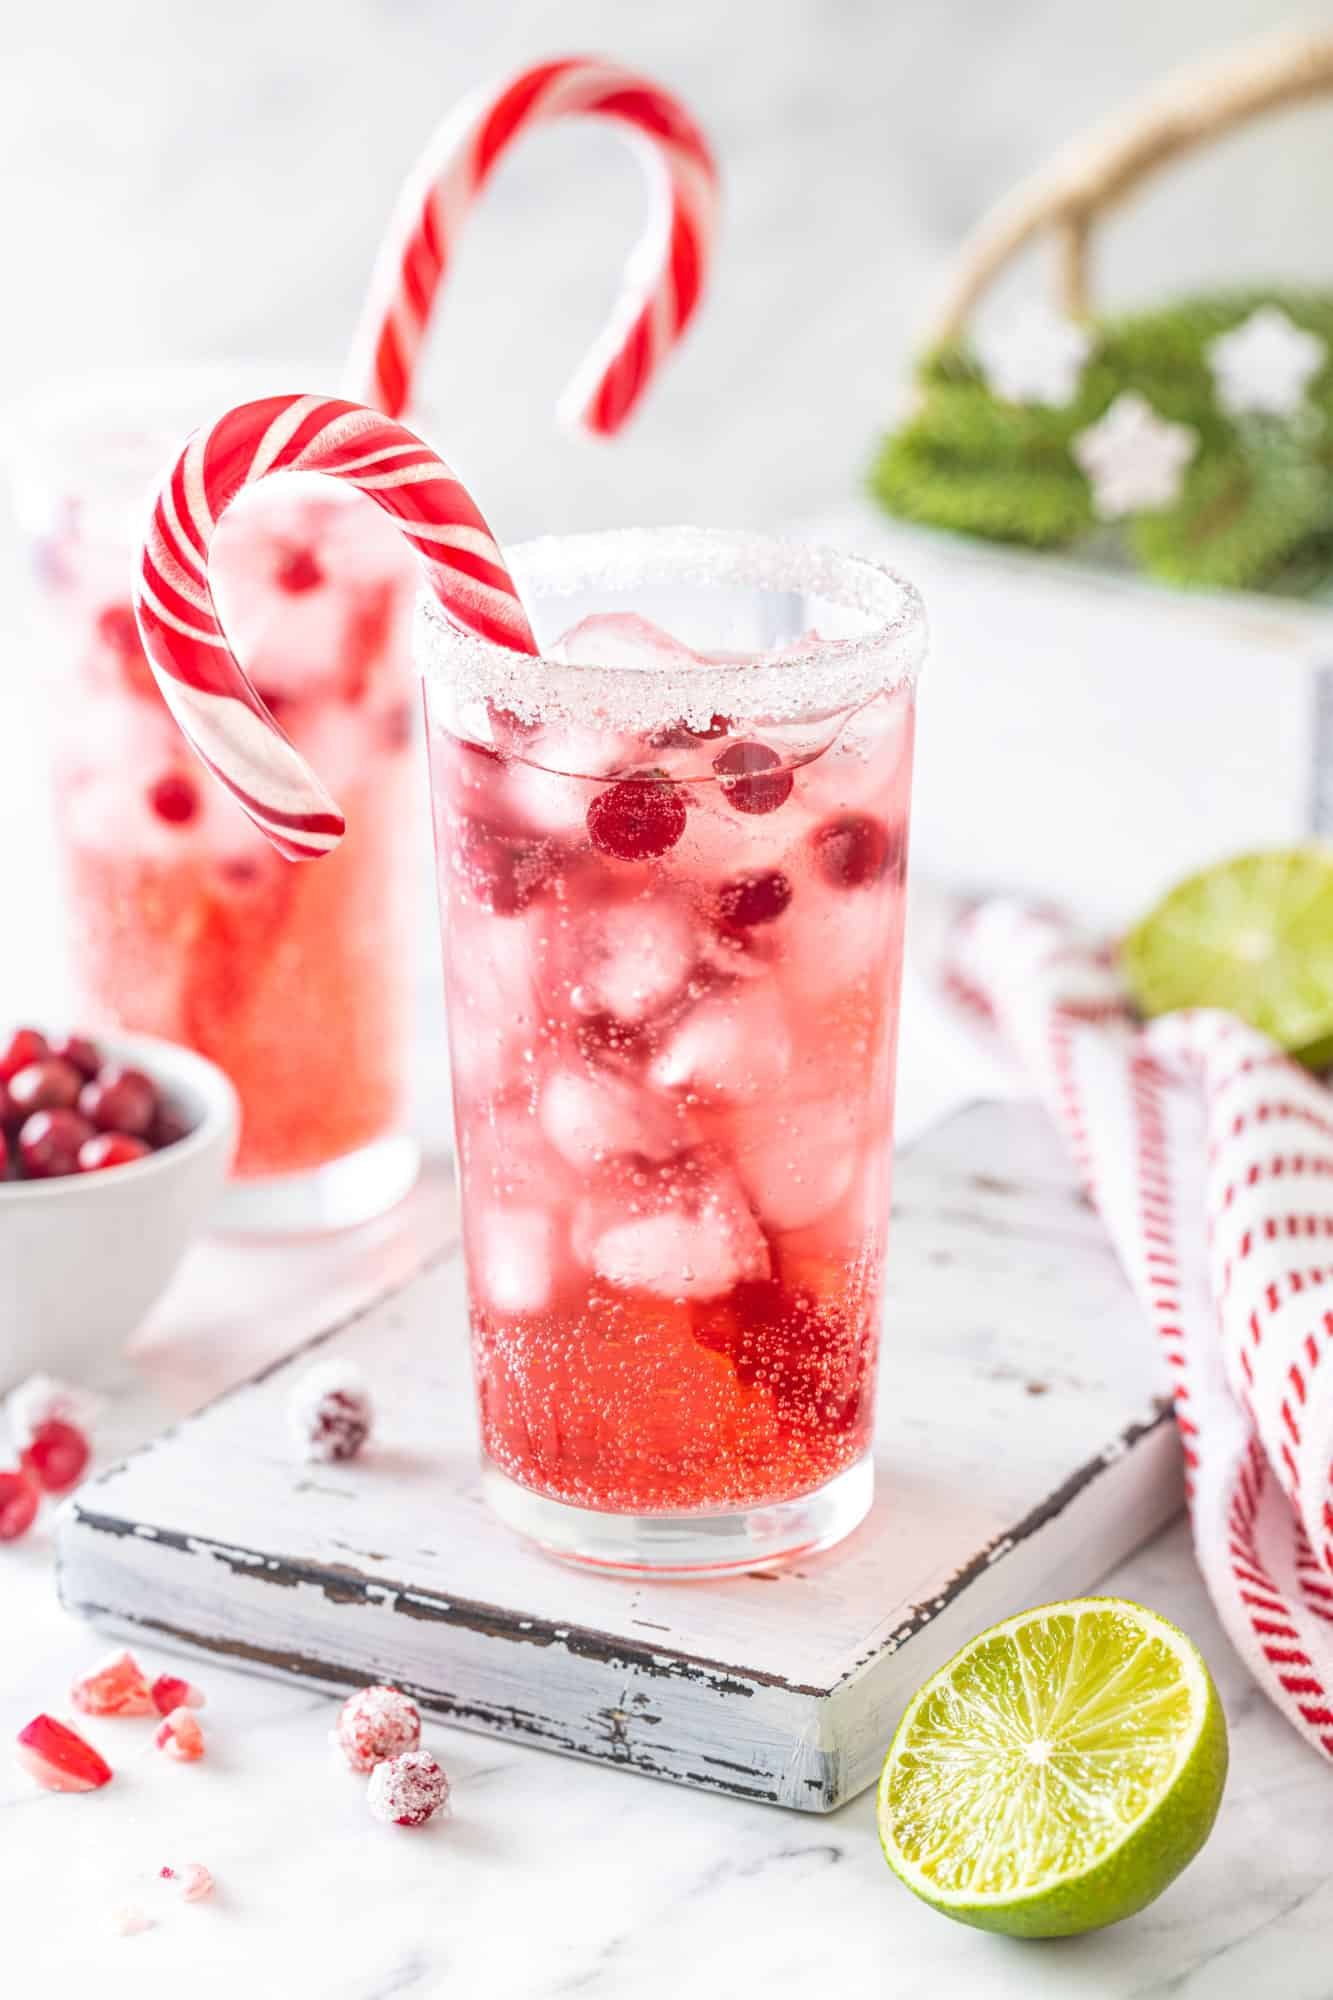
[(663, 280)]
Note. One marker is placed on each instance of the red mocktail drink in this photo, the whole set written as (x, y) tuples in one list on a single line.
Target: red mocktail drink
[(672, 873)]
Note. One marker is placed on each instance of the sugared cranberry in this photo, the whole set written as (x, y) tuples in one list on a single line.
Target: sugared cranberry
[(26, 1045), (117, 1687), (377, 1723), (753, 899), (407, 1790), (58, 1758), (120, 1100), (174, 798), (18, 1505), (49, 1085), (180, 1736), (49, 1143), (637, 819), (751, 777), (56, 1456), (855, 849), (501, 874), (79, 1052), (329, 1412), (299, 571), (111, 1149), (169, 1691)]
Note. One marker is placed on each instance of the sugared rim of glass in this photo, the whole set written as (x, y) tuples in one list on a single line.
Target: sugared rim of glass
[(809, 676)]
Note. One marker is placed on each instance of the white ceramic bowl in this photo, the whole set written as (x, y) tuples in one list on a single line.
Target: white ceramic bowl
[(83, 1258)]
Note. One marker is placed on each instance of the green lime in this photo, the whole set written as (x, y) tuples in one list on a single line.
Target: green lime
[(1253, 936), (1058, 1773)]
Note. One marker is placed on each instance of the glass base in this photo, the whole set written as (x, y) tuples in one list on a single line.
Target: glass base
[(684, 1545), (356, 1188)]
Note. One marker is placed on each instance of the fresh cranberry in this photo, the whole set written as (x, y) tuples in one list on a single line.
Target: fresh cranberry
[(397, 726), (120, 1100), (8, 1115), (753, 899), (4, 1151), (18, 1505), (752, 778), (855, 849), (49, 1085), (116, 628), (501, 874), (55, 1456), (118, 631), (26, 1045), (789, 1342), (637, 819), (605, 1038), (85, 1056), (168, 1128), (49, 1143), (111, 1149), (174, 798), (299, 571)]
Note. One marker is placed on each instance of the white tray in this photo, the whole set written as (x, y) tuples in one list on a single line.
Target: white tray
[(1024, 1447)]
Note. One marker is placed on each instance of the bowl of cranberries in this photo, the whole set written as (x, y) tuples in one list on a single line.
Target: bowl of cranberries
[(113, 1151)]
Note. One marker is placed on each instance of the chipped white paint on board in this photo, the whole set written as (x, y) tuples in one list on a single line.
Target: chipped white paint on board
[(1023, 1448)]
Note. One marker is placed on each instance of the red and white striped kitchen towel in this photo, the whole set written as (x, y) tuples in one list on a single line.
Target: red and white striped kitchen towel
[(1209, 1155)]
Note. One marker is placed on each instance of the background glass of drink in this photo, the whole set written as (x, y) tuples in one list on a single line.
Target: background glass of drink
[(180, 919), (672, 885)]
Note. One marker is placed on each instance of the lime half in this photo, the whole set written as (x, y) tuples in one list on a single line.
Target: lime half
[(1058, 1773), (1253, 936)]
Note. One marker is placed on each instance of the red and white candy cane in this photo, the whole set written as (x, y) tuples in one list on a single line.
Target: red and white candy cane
[(664, 277), (202, 682)]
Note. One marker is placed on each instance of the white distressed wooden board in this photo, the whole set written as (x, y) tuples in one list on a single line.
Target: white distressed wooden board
[(1024, 1446)]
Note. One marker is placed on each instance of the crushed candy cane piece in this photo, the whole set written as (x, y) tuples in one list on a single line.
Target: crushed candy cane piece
[(118, 1687), (329, 1412), (59, 1758), (407, 1790), (56, 1455), (41, 1399), (170, 1691), (180, 1736), (194, 1880), (130, 1921), (377, 1723)]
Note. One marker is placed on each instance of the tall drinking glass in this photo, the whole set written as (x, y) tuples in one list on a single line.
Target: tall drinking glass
[(181, 919), (671, 860)]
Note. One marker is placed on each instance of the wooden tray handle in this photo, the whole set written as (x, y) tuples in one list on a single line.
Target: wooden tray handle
[(1098, 170)]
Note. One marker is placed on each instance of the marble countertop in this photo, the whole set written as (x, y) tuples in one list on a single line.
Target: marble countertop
[(554, 1877)]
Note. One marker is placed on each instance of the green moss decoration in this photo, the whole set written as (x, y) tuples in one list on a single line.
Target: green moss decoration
[(1256, 509)]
